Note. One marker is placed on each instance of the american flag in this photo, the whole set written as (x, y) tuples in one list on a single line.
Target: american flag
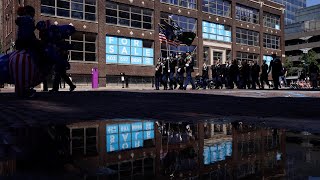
[(163, 38)]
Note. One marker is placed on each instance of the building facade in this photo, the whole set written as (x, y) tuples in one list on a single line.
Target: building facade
[(118, 36), (291, 7), (145, 149), (304, 35)]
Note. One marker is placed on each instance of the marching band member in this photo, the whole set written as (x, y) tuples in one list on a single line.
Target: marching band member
[(189, 69), (158, 73), (172, 69), (180, 70)]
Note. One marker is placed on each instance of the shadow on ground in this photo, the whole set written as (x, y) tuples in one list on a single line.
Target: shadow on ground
[(65, 107)]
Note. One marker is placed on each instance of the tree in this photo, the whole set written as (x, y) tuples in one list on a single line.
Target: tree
[(308, 58), (291, 70)]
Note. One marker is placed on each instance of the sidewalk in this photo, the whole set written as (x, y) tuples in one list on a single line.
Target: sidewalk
[(88, 88)]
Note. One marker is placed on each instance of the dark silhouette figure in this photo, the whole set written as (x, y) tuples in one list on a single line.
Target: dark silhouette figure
[(264, 75), (255, 70), (276, 69), (314, 72)]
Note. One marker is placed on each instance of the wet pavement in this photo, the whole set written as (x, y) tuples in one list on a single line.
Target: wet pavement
[(165, 135), (216, 148)]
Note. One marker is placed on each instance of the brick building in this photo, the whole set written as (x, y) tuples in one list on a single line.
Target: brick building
[(221, 151), (122, 36)]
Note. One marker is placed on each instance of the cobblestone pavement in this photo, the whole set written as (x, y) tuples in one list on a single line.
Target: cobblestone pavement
[(293, 109)]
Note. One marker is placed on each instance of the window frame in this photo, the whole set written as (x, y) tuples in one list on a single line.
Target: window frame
[(251, 35), (271, 41), (271, 20), (84, 49), (242, 57), (192, 3), (243, 11), (70, 10), (215, 9), (119, 10)]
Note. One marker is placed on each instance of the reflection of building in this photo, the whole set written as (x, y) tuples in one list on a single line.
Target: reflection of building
[(303, 35), (226, 30), (177, 150), (291, 8), (303, 151)]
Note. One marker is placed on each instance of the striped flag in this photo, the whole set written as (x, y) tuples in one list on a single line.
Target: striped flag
[(163, 38)]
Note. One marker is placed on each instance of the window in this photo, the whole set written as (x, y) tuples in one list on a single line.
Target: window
[(84, 141), (83, 46), (122, 50), (187, 24), (215, 31), (271, 20), (191, 4), (179, 49), (217, 7), (241, 56), (124, 15), (75, 9), (270, 41), (217, 56), (247, 37), (244, 13)]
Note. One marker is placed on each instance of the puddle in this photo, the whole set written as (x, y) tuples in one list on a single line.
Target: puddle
[(150, 149)]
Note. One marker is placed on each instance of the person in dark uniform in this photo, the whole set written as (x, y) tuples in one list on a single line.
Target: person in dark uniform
[(165, 73), (205, 75), (180, 70), (189, 69), (158, 74), (60, 72), (172, 69), (226, 74), (314, 72), (233, 74), (217, 75), (275, 68), (245, 74), (255, 70), (264, 75)]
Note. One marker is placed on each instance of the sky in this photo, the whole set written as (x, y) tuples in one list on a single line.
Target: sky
[(312, 2)]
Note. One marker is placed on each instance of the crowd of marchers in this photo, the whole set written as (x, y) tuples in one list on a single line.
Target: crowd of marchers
[(177, 70)]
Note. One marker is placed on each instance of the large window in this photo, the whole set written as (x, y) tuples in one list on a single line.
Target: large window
[(270, 41), (247, 37), (124, 15), (191, 4), (187, 24), (83, 46), (271, 20), (217, 7), (217, 56), (215, 31), (179, 49), (241, 56), (122, 50), (244, 13), (76, 9), (83, 141)]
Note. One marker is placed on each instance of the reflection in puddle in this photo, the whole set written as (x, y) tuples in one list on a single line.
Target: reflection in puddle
[(142, 149)]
